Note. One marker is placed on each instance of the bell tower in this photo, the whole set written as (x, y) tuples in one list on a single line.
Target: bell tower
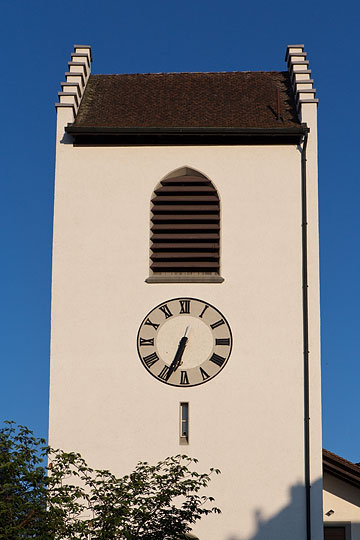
[(185, 293)]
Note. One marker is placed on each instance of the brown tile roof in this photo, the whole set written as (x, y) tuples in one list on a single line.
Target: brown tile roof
[(191, 100), (341, 468)]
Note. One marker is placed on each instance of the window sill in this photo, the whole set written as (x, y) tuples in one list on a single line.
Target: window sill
[(184, 279), (183, 440)]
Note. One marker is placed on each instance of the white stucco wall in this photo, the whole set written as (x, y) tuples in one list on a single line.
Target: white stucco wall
[(344, 500), (248, 421)]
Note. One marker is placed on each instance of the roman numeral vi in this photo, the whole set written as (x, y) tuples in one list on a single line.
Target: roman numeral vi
[(184, 378)]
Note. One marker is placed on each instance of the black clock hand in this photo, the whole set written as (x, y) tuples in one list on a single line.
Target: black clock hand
[(178, 356), (177, 360)]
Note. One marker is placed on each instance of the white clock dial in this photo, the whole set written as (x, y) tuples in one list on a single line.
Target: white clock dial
[(184, 342)]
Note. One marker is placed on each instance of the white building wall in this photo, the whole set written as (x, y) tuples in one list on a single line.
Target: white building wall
[(248, 421), (344, 500)]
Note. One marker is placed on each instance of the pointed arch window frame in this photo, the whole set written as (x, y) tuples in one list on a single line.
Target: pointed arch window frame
[(166, 214)]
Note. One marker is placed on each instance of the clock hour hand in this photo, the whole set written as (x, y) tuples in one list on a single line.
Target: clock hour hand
[(178, 356)]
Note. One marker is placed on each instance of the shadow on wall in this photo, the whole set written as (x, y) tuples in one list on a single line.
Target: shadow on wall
[(289, 523), (342, 490)]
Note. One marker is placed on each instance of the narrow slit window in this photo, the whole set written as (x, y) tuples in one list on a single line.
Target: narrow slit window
[(184, 423)]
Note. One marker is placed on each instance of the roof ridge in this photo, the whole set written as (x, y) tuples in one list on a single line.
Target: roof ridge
[(187, 73)]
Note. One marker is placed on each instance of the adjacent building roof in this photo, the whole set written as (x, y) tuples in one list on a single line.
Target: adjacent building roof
[(188, 100), (341, 468)]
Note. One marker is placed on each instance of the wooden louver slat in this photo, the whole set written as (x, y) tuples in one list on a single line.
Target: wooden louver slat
[(183, 255), (185, 217), (186, 208), (184, 189), (185, 226), (188, 236), (183, 199)]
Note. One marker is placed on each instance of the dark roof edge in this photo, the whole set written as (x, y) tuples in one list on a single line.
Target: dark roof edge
[(81, 130), (341, 468)]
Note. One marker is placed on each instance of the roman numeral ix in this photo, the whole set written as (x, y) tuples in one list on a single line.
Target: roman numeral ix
[(144, 342)]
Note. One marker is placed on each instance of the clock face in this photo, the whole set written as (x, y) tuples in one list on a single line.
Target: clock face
[(184, 342)]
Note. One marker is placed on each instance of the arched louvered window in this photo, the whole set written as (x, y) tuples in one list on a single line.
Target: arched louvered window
[(185, 229)]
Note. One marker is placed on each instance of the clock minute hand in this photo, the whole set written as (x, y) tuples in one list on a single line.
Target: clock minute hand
[(182, 344), (177, 360)]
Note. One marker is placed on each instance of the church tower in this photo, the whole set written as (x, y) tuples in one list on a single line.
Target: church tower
[(185, 293)]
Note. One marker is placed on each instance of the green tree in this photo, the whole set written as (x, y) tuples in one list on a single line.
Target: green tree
[(74, 501), (23, 482)]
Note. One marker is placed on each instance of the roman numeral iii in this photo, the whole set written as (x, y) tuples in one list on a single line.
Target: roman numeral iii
[(222, 341)]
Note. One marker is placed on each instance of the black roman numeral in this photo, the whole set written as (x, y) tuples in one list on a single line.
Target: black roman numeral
[(218, 360), (217, 323), (222, 341), (144, 342), (150, 359), (166, 311), (204, 374), (184, 306), (164, 373), (203, 311), (184, 379), (149, 323)]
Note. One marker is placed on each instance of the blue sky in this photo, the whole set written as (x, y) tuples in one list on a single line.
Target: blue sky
[(200, 35)]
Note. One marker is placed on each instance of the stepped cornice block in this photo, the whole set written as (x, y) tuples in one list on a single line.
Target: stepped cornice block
[(71, 87), (300, 76), (81, 57), (76, 66), (79, 68), (294, 49), (84, 49), (68, 97), (75, 77)]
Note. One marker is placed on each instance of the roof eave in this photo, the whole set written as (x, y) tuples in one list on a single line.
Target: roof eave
[(185, 135), (83, 130), (336, 466)]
